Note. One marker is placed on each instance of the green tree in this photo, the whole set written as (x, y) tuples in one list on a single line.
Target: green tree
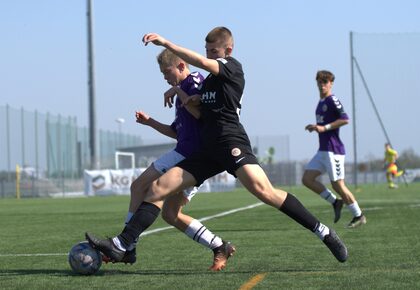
[(409, 159)]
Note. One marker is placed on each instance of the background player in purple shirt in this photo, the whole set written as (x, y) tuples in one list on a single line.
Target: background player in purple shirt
[(330, 116), (185, 128)]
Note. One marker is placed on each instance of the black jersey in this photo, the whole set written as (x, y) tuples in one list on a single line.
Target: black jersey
[(221, 98)]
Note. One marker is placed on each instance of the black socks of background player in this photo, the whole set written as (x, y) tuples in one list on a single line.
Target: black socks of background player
[(295, 209), (143, 218)]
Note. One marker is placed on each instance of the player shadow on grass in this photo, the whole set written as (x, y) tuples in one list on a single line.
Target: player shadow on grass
[(149, 272)]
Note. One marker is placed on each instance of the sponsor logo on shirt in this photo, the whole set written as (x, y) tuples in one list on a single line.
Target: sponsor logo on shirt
[(208, 97), (239, 160)]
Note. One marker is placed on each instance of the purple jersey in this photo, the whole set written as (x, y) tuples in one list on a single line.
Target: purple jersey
[(328, 110), (185, 125)]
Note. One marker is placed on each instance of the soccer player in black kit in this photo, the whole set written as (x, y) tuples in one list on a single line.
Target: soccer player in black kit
[(225, 146)]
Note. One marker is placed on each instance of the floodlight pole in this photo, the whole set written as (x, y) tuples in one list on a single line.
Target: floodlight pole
[(94, 163), (355, 165)]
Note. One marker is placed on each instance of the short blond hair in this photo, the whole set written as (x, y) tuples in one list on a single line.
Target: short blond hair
[(168, 58)]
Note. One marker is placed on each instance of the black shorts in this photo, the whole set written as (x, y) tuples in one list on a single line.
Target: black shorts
[(211, 161)]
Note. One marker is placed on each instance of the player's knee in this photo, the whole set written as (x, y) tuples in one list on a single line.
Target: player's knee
[(157, 191), (169, 216), (263, 191), (306, 180)]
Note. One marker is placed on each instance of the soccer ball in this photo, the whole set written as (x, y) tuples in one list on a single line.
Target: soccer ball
[(84, 259)]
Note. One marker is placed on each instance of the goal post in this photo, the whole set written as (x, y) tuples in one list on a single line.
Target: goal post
[(124, 160)]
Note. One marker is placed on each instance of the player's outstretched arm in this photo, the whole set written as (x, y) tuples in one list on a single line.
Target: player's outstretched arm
[(186, 54), (145, 119)]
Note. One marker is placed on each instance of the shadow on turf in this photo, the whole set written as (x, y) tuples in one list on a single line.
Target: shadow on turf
[(109, 272)]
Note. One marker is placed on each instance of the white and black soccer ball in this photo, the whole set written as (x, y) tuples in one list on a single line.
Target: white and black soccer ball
[(84, 259)]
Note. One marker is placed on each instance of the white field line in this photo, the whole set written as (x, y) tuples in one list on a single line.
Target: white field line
[(146, 232), (206, 218)]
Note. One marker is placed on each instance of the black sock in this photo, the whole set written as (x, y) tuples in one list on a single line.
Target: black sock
[(295, 209), (143, 218)]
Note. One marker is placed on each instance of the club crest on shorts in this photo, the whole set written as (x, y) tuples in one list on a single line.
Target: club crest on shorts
[(235, 152)]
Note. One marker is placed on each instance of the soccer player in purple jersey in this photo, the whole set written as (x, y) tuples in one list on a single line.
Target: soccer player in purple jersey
[(330, 116), (185, 129), (226, 146)]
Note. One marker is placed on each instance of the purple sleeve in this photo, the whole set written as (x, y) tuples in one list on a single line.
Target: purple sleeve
[(192, 83), (339, 109)]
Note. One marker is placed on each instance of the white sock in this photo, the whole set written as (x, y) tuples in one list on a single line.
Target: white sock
[(355, 209), (129, 216), (199, 233), (322, 231), (328, 196), (118, 244)]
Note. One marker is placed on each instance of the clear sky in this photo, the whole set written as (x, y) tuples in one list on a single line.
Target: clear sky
[(281, 45)]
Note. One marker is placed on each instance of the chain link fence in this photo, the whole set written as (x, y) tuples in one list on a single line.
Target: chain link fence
[(50, 152)]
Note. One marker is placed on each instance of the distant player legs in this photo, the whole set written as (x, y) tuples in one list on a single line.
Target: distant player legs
[(309, 179), (340, 187)]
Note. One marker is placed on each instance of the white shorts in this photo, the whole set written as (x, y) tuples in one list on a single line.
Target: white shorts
[(169, 160), (324, 161)]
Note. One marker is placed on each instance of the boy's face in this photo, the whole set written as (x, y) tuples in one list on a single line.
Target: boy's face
[(172, 74), (325, 87), (217, 50)]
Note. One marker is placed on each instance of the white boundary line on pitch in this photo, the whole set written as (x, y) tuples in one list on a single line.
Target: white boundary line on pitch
[(146, 232), (205, 218)]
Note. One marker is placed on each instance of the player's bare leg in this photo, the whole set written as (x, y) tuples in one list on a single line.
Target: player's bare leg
[(309, 179), (253, 177), (348, 197), (172, 214), (140, 187)]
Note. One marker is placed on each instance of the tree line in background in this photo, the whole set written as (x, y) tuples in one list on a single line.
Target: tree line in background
[(408, 159)]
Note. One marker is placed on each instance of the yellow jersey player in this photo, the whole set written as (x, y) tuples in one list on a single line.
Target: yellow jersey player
[(391, 167)]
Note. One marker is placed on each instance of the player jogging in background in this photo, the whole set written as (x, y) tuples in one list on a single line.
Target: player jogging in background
[(330, 116), (391, 168)]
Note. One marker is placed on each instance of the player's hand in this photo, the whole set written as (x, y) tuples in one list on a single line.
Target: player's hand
[(169, 96), (317, 128), (154, 38), (310, 127), (193, 100), (142, 117)]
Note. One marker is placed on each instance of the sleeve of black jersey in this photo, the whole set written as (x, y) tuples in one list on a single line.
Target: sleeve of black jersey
[(227, 68)]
